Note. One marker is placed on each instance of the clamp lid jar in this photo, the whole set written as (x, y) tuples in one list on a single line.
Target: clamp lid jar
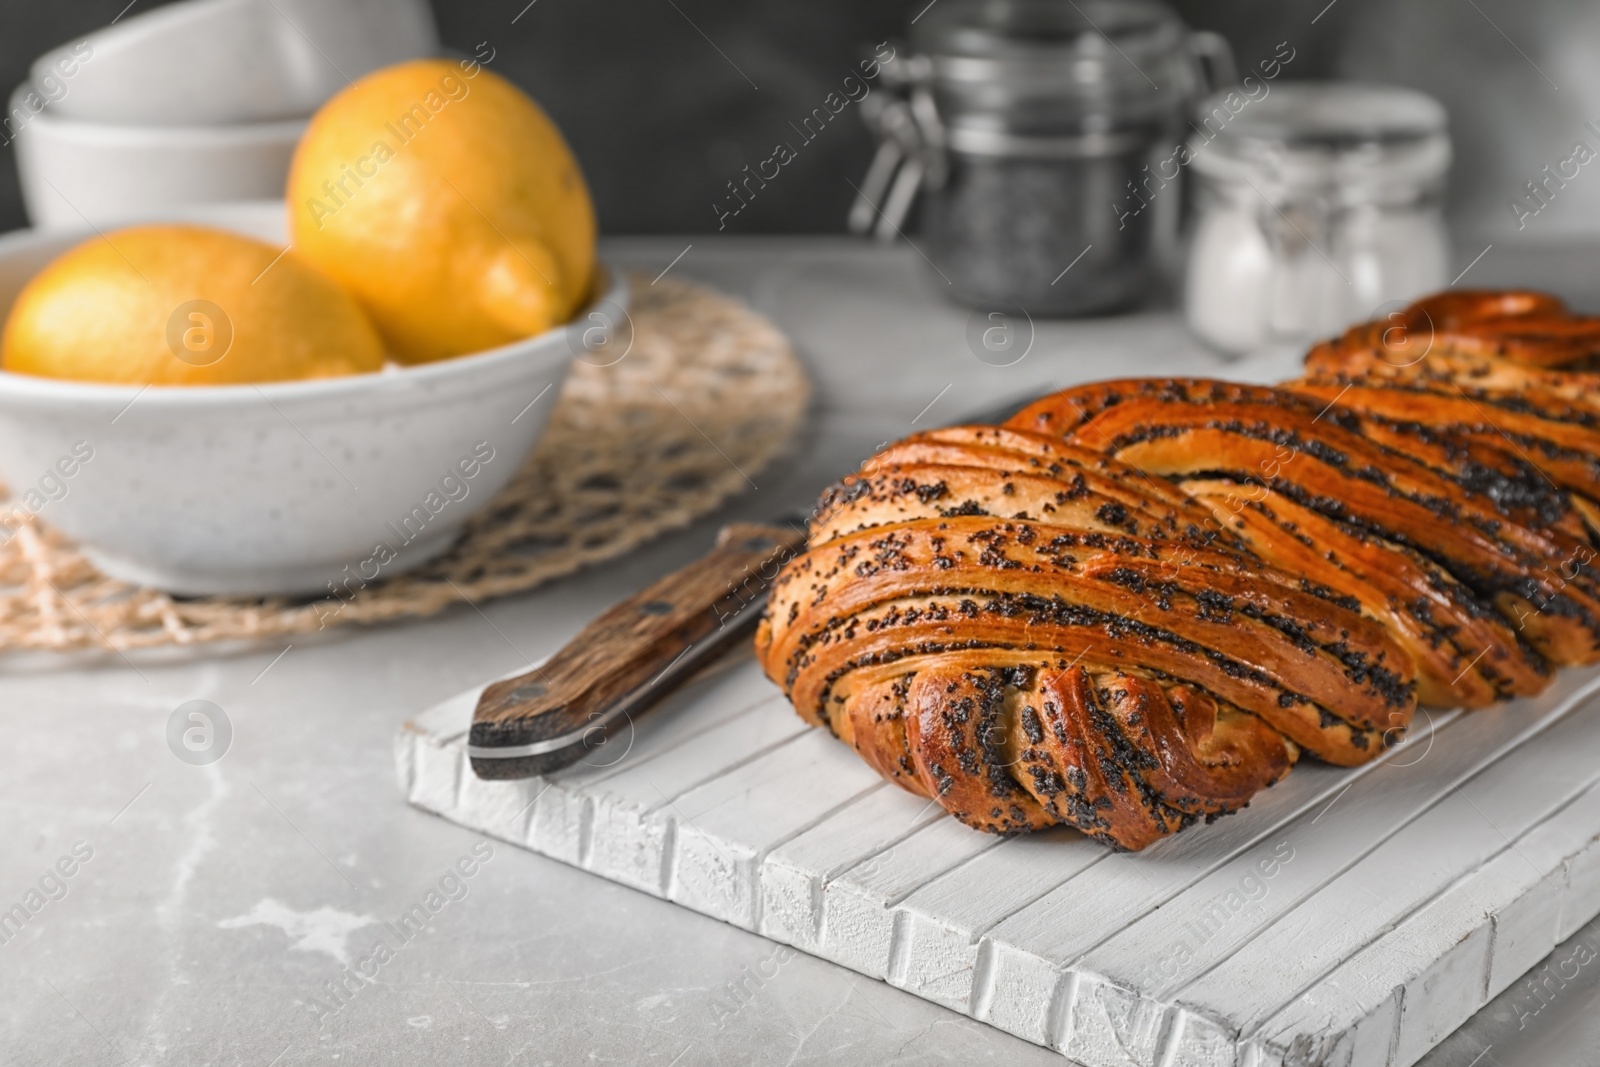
[(1026, 122), (1318, 204)]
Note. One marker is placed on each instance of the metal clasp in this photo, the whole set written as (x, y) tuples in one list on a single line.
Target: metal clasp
[(911, 148)]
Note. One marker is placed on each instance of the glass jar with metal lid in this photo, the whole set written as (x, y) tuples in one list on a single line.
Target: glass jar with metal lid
[(1027, 124), (1318, 204)]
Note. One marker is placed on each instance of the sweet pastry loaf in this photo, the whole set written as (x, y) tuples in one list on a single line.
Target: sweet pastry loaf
[(1138, 602), (1033, 633)]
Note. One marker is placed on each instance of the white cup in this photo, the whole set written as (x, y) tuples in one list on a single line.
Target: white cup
[(78, 174), (206, 62), (194, 102)]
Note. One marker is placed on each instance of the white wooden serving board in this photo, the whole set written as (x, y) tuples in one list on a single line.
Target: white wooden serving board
[(1346, 918)]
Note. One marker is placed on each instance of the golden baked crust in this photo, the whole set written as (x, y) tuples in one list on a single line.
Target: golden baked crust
[(1136, 603), (1032, 633)]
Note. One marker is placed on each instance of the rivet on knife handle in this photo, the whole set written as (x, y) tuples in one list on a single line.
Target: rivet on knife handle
[(630, 656)]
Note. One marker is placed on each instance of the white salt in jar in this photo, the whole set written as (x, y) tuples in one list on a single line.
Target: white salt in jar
[(1318, 204)]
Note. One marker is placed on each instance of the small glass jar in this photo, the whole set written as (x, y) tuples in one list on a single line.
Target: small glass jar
[(1318, 204), (1027, 123)]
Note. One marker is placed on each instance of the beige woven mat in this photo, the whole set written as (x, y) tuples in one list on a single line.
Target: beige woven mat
[(708, 394)]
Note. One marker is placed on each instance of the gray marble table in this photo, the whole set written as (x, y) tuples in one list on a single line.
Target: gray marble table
[(219, 905)]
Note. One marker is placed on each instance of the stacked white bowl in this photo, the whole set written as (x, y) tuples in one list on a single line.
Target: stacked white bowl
[(194, 102)]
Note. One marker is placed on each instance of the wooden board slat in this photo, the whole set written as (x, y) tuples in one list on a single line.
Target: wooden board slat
[(937, 955), (860, 907), (1464, 831), (1346, 918), (795, 874)]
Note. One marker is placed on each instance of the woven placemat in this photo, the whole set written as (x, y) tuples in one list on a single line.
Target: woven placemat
[(707, 395)]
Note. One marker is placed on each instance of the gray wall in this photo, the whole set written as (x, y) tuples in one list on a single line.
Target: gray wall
[(661, 120)]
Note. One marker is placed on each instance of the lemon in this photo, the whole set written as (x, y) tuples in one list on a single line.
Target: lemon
[(448, 204), (185, 305)]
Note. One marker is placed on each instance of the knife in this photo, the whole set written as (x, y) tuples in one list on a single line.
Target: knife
[(638, 650)]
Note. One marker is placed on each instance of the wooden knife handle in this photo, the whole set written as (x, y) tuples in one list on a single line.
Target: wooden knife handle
[(630, 656)]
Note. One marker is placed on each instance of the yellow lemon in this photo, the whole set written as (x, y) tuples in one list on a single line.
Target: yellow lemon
[(447, 202), (185, 305)]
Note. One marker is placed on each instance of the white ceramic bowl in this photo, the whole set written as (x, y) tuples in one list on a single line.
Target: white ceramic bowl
[(206, 62), (77, 174), (296, 487)]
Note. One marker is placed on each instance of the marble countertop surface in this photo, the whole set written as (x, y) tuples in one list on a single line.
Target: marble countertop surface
[(211, 910)]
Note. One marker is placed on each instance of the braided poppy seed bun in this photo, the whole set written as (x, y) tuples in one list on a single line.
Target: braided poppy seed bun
[(1032, 633), (1138, 602)]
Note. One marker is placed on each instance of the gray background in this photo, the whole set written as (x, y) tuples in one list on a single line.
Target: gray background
[(661, 121)]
